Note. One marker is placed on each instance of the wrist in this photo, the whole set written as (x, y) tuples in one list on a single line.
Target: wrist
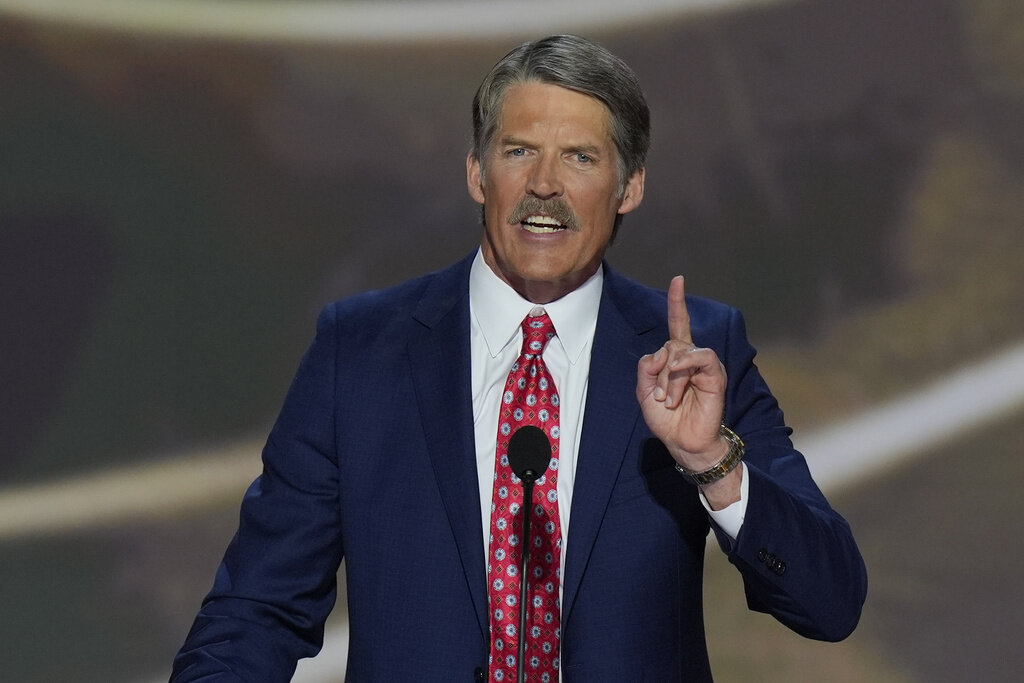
[(735, 450)]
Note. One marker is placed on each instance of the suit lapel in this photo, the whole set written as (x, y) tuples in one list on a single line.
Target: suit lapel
[(440, 367), (612, 414)]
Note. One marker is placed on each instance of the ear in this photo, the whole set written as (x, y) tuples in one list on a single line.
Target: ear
[(634, 192), (474, 178)]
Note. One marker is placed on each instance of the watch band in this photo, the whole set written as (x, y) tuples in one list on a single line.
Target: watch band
[(724, 466)]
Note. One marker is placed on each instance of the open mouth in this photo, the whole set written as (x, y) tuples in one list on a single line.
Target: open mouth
[(544, 217), (541, 225)]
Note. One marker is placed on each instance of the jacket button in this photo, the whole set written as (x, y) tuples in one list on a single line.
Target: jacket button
[(772, 561), (479, 675)]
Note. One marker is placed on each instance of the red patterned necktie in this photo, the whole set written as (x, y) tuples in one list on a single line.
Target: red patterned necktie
[(530, 398)]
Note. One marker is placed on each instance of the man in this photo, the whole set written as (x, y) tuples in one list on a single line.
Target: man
[(393, 448)]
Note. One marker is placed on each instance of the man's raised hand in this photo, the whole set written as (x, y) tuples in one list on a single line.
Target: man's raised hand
[(681, 390)]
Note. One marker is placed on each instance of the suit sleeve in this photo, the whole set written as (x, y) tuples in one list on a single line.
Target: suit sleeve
[(277, 582), (796, 554)]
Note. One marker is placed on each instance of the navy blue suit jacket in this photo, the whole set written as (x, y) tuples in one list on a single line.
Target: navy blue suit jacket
[(372, 459)]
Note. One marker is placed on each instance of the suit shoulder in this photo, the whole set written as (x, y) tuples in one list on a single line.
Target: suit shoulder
[(709, 309), (375, 302), (421, 296), (654, 301)]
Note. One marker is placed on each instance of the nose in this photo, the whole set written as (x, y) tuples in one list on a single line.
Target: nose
[(544, 181)]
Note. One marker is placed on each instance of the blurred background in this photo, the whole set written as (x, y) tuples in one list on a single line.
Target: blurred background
[(183, 184)]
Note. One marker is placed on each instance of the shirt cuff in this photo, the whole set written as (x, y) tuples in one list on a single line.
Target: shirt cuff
[(730, 519)]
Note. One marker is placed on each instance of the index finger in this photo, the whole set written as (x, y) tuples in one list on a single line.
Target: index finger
[(678, 316)]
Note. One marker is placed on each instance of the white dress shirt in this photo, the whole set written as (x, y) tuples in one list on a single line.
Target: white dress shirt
[(496, 314)]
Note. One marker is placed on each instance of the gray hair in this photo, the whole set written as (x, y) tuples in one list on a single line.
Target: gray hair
[(576, 64)]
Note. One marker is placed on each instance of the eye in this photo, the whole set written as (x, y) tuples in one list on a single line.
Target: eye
[(517, 152), (584, 158)]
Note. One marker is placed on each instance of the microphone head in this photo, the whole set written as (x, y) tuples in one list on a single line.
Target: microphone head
[(529, 453)]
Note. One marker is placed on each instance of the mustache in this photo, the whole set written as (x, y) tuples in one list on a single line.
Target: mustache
[(556, 208)]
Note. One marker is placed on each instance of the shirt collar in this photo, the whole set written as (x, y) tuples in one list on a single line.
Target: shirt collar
[(499, 310)]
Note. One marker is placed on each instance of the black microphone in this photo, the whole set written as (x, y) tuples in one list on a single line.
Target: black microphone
[(529, 454)]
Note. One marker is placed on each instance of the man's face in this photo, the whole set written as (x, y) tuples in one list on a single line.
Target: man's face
[(551, 192)]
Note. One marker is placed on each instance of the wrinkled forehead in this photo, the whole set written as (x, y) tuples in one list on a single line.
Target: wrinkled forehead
[(537, 105)]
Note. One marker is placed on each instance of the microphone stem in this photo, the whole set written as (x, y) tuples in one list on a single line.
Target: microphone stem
[(524, 577)]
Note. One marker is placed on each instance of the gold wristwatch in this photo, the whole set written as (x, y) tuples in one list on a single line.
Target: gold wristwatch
[(723, 467)]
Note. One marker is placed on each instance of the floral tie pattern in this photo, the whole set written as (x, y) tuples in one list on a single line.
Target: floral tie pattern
[(530, 398)]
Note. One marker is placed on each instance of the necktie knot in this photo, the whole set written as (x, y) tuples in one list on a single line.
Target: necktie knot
[(537, 332)]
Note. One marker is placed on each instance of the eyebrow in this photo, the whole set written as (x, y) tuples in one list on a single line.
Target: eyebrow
[(511, 141), (592, 150)]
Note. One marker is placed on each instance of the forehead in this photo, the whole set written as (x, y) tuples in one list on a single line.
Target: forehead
[(547, 109)]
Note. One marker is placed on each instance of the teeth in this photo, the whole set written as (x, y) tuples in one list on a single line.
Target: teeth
[(542, 224)]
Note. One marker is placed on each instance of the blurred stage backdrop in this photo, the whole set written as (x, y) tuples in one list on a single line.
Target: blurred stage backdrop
[(184, 183)]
